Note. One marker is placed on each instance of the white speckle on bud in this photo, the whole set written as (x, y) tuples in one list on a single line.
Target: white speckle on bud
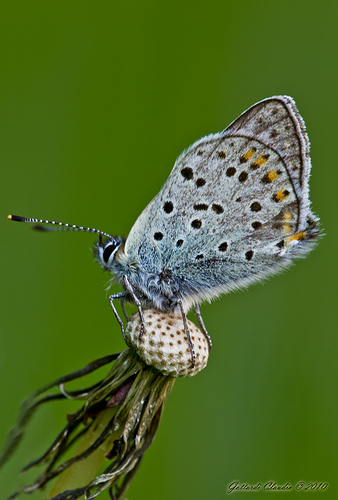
[(164, 343)]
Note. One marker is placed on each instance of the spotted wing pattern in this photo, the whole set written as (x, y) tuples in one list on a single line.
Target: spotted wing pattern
[(235, 207)]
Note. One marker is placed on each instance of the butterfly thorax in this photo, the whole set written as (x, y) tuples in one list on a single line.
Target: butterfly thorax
[(158, 287)]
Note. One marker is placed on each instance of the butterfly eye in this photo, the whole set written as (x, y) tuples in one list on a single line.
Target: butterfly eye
[(105, 251), (109, 250)]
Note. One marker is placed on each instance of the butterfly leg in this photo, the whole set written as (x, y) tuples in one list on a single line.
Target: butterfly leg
[(118, 296), (202, 325), (124, 312), (185, 323), (138, 305)]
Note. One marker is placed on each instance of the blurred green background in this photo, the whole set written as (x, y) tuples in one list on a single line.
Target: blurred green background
[(97, 101)]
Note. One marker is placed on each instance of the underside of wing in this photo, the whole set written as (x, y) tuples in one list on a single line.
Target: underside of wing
[(235, 205)]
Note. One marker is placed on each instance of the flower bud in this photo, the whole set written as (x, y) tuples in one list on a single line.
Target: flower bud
[(164, 343)]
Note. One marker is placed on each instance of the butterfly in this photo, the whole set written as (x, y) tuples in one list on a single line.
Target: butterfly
[(234, 210)]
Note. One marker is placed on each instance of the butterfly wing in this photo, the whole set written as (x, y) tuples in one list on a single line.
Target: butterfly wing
[(235, 207)]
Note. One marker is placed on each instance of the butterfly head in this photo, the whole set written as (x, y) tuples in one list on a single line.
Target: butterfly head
[(106, 250)]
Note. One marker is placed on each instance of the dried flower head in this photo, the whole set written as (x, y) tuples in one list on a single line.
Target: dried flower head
[(120, 414), (165, 345)]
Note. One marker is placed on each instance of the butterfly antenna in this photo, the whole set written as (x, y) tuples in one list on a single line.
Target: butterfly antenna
[(58, 226)]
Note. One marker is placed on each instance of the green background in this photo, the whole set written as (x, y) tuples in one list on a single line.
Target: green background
[(97, 101)]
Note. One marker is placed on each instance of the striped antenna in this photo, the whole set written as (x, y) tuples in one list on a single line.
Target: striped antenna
[(59, 226)]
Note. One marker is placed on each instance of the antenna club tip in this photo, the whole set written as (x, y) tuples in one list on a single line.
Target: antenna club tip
[(17, 218)]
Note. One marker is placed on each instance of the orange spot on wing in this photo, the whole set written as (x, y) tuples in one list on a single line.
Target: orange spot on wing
[(296, 237), (281, 195), (287, 216), (261, 160), (273, 175), (249, 154)]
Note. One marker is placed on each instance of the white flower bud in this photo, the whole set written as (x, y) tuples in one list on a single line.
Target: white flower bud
[(164, 343)]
